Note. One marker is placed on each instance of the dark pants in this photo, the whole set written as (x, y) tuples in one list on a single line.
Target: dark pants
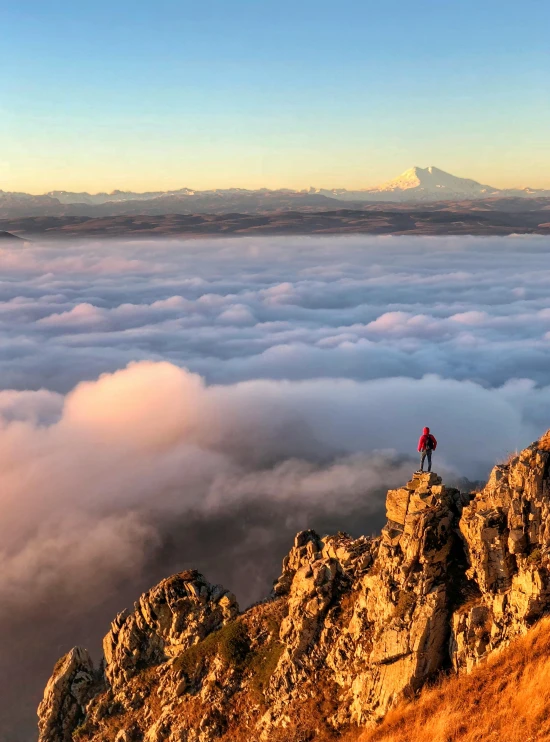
[(423, 455)]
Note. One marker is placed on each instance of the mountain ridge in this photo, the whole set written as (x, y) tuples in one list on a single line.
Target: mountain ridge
[(352, 627), (416, 185)]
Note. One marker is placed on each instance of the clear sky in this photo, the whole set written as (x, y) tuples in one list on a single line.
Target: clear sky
[(97, 95)]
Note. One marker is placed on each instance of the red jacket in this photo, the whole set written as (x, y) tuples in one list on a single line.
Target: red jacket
[(424, 437)]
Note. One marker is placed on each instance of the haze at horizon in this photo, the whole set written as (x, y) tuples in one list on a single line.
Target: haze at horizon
[(278, 95)]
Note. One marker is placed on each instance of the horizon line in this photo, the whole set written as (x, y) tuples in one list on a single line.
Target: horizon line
[(304, 189)]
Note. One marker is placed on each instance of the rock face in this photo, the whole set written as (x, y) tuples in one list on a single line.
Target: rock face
[(506, 529), (398, 633), (352, 625), (168, 619), (70, 687)]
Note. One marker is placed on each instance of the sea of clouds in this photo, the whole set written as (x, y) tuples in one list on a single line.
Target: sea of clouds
[(168, 404)]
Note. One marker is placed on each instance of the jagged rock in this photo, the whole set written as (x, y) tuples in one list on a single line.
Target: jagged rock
[(506, 530), (355, 623), (307, 547), (471, 637), (397, 503), (312, 591), (353, 555), (401, 604), (168, 619), (65, 697)]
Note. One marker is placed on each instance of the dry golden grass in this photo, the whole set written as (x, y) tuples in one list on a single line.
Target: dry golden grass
[(505, 700)]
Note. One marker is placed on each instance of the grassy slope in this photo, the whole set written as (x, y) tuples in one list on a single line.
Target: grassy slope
[(505, 700)]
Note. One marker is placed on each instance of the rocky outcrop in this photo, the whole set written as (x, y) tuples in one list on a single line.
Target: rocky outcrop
[(69, 689), (506, 530), (402, 602), (351, 627), (167, 620)]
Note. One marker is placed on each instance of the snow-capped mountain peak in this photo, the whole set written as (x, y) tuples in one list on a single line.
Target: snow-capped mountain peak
[(433, 180), (419, 184)]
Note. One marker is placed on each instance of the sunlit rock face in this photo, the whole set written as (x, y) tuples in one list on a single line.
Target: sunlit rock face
[(166, 621), (506, 531), (73, 683), (352, 626)]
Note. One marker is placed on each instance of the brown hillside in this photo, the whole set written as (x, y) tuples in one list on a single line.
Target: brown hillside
[(505, 700)]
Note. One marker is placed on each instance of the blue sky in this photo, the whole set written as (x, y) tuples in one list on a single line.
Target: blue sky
[(249, 93)]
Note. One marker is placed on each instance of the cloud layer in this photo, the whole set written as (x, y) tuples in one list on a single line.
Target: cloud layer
[(464, 308), (176, 404)]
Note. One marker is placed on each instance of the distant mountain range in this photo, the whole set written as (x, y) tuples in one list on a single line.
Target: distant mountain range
[(415, 186), (429, 184)]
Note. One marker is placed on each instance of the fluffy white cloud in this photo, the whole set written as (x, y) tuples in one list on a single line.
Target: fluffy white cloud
[(312, 365), (277, 308)]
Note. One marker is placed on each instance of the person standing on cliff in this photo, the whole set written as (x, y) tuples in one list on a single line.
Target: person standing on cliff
[(426, 444)]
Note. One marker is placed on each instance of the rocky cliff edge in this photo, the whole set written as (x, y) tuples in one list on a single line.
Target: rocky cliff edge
[(352, 625)]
